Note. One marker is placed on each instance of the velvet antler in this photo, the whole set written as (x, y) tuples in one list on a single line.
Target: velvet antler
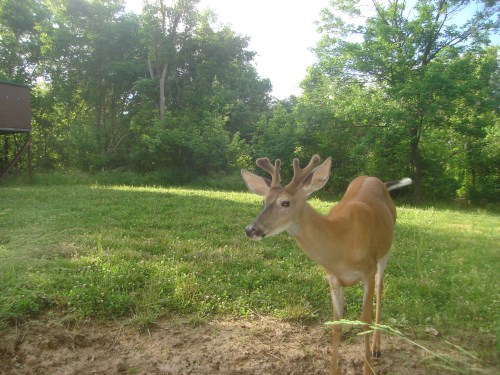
[(300, 174), (274, 171)]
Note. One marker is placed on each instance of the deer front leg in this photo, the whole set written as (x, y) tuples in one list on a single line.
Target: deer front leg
[(337, 294), (366, 317)]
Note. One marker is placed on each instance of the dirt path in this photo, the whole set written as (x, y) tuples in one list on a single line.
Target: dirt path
[(172, 347)]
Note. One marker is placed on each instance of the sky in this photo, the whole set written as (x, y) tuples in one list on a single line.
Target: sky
[(281, 33)]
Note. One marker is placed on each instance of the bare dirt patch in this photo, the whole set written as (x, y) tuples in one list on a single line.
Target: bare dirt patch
[(174, 346)]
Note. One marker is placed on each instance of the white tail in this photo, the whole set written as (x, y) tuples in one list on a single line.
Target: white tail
[(351, 242), (393, 185)]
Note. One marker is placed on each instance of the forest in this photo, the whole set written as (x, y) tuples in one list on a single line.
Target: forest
[(396, 90)]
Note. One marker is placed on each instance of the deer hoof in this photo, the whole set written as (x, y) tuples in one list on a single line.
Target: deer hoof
[(376, 354)]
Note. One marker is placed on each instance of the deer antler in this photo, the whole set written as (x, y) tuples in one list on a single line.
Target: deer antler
[(300, 174), (274, 171)]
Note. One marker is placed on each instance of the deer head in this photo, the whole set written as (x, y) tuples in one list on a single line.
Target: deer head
[(283, 205)]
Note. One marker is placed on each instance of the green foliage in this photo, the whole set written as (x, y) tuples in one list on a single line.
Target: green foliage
[(20, 39), (277, 137), (180, 141), (239, 153), (425, 73)]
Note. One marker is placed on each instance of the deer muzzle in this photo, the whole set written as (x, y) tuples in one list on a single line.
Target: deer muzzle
[(254, 232)]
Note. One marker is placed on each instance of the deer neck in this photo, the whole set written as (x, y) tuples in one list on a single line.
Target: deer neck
[(318, 236)]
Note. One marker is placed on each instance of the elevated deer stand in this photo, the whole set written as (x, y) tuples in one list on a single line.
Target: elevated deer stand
[(15, 117)]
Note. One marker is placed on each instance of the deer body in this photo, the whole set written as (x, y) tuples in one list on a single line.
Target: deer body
[(353, 236), (351, 242)]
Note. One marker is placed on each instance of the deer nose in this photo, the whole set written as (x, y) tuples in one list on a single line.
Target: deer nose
[(252, 231)]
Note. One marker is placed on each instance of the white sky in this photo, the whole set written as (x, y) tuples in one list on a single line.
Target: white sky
[(281, 33)]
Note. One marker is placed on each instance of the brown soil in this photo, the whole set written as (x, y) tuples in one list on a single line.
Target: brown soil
[(261, 346)]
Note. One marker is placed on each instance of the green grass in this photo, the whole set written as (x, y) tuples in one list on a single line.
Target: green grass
[(110, 251)]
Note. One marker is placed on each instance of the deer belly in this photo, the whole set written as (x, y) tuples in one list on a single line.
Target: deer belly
[(351, 278), (342, 279)]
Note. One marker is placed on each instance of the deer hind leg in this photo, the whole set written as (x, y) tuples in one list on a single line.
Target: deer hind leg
[(337, 294), (379, 284), (366, 317)]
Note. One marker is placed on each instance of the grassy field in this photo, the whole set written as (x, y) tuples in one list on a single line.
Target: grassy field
[(140, 253)]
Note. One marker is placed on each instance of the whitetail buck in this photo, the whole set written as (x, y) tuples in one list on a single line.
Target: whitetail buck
[(351, 242)]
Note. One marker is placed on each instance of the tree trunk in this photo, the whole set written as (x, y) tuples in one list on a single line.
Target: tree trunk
[(416, 162), (162, 91)]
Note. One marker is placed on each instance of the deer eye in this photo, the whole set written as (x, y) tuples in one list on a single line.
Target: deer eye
[(285, 203)]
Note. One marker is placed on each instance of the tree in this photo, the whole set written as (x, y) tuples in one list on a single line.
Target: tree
[(91, 57), (20, 39), (348, 121), (394, 50), (166, 31), (474, 121), (213, 93)]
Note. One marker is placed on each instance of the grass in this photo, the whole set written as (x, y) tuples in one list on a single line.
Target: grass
[(111, 251)]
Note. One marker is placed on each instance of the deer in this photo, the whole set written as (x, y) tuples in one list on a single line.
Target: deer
[(351, 242)]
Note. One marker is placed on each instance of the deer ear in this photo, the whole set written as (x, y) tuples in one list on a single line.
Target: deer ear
[(256, 184), (317, 178)]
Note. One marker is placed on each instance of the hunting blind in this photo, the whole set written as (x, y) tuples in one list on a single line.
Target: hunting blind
[(15, 118)]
